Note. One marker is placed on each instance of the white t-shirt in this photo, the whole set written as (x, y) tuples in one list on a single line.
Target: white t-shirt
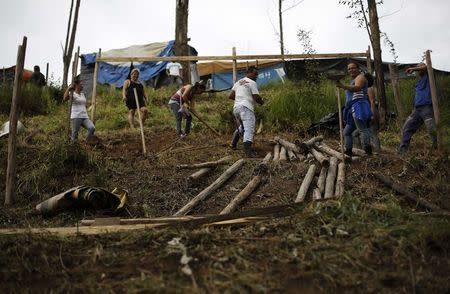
[(174, 68), (244, 89), (78, 106)]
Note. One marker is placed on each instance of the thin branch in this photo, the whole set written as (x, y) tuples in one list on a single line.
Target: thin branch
[(294, 5), (363, 11), (392, 13)]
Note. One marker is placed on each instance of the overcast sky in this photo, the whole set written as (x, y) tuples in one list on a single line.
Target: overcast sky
[(215, 26)]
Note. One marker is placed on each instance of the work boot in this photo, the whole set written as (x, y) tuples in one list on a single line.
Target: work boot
[(248, 149), (235, 140), (368, 150)]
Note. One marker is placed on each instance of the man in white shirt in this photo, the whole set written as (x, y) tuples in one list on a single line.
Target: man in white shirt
[(245, 93), (173, 71)]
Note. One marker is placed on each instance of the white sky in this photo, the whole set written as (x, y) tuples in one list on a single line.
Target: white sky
[(215, 26)]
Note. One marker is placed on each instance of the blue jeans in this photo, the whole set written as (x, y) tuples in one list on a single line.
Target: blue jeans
[(247, 117), (421, 114), (76, 123), (363, 128), (179, 117)]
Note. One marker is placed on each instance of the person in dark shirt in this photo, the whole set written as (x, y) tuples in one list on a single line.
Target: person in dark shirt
[(37, 78), (422, 112)]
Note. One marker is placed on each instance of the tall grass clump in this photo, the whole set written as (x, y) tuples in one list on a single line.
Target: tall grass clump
[(295, 105)]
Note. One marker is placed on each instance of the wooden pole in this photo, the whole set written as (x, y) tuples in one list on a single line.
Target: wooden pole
[(340, 180), (434, 96), (369, 60), (341, 124), (234, 65), (199, 174), (144, 149), (306, 183), (283, 154), (94, 86), (10, 193), (307, 145), (276, 152), (251, 186), (211, 188), (408, 194), (320, 157), (291, 155), (204, 122), (46, 75), (4, 76), (223, 160), (331, 178), (316, 194), (74, 74), (288, 145), (396, 90), (321, 179)]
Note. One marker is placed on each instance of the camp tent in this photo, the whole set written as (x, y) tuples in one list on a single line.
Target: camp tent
[(115, 73)]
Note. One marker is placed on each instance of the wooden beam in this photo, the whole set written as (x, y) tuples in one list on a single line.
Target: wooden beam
[(288, 145), (199, 174), (11, 169), (340, 180), (320, 157), (283, 154), (321, 179), (46, 75), (276, 152), (211, 188), (228, 57), (396, 90), (141, 124), (341, 124), (331, 178), (234, 65), (434, 97), (223, 160)]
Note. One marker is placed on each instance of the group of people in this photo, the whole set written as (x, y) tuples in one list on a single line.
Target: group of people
[(360, 111)]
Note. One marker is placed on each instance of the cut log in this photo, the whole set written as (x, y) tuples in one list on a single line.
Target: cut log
[(286, 144), (327, 150), (321, 180), (211, 188), (283, 154), (263, 166), (276, 152), (306, 183), (331, 178), (223, 160), (320, 157), (359, 152), (408, 194), (199, 174), (316, 194), (291, 155), (340, 180), (251, 186), (307, 145)]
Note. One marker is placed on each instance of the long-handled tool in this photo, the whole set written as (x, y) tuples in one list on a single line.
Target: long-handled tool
[(200, 119), (144, 149)]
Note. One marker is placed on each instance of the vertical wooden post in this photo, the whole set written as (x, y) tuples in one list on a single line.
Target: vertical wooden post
[(10, 193), (234, 65), (396, 90), (94, 86), (341, 124), (4, 76), (46, 75), (256, 63), (369, 61), (144, 149), (74, 74), (433, 95)]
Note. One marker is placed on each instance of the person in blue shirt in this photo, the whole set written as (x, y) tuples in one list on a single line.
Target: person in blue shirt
[(357, 113), (422, 112)]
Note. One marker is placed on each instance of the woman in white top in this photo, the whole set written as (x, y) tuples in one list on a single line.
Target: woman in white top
[(78, 115)]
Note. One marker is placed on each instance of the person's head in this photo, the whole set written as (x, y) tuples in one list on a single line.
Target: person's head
[(37, 68), (134, 75), (252, 72), (369, 79), (198, 88), (77, 84), (353, 69)]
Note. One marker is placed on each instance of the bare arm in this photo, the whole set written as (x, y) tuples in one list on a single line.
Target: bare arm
[(258, 99), (67, 92), (371, 94), (232, 95), (419, 67), (124, 89), (359, 84)]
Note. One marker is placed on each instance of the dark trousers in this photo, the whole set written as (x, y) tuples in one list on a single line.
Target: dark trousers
[(421, 114), (179, 117)]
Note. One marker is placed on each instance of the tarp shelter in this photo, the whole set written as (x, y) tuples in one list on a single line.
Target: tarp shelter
[(116, 72)]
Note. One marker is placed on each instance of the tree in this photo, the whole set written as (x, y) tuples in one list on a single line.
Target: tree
[(368, 18), (68, 48), (181, 47)]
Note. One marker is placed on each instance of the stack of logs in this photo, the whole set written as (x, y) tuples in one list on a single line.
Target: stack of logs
[(330, 182)]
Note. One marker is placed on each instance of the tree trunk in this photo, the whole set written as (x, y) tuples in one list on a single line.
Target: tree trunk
[(181, 47), (375, 40), (70, 42), (280, 14)]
